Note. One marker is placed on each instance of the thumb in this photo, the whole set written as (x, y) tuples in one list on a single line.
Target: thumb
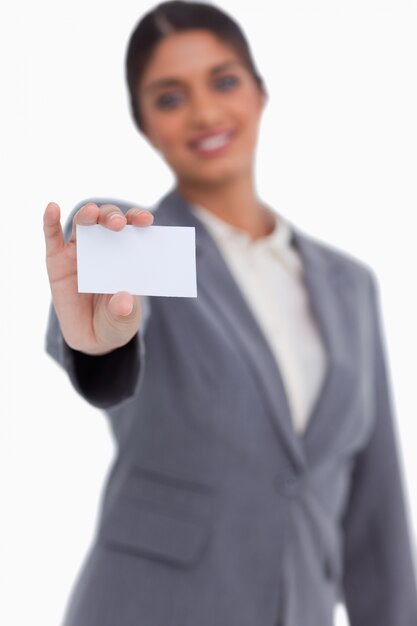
[(122, 304)]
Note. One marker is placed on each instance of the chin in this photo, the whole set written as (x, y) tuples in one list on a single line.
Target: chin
[(214, 180), (215, 174)]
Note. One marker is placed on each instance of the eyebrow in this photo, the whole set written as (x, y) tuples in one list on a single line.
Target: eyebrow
[(174, 82)]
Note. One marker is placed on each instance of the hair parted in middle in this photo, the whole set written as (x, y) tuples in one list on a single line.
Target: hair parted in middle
[(177, 16)]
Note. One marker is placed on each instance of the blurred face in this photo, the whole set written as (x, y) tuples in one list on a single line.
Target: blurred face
[(200, 107)]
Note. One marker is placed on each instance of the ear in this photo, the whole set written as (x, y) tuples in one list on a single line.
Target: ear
[(264, 97)]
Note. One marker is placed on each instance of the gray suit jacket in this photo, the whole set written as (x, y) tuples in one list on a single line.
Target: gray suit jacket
[(215, 513)]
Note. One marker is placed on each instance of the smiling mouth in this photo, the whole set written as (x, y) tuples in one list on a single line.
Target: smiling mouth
[(212, 145)]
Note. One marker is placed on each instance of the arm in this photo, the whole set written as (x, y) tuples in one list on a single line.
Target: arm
[(379, 578), (103, 380)]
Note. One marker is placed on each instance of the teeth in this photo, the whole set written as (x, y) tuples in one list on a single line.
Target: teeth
[(213, 142)]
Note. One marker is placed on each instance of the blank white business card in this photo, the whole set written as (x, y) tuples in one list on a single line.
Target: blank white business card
[(148, 261)]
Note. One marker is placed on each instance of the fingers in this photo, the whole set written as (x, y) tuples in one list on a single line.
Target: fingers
[(54, 238), (87, 215), (110, 216), (139, 217)]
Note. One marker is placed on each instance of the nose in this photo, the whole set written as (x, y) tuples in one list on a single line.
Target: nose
[(205, 109)]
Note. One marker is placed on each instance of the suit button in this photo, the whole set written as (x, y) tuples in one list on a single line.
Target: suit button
[(331, 570), (328, 574), (290, 485)]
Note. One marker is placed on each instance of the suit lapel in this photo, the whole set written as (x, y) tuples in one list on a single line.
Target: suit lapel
[(331, 294), (327, 294)]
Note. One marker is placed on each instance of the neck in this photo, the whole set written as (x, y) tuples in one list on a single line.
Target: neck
[(235, 202)]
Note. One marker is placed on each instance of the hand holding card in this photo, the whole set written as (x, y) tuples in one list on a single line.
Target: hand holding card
[(93, 323)]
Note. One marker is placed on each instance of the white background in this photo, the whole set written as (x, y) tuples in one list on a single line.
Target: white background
[(337, 155)]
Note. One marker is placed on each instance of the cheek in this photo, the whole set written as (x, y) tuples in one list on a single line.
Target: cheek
[(158, 135), (246, 113), (252, 111), (169, 135), (161, 130)]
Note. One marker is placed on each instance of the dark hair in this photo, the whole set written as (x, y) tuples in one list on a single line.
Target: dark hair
[(176, 16)]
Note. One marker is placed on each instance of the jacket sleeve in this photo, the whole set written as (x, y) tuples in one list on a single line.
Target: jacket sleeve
[(108, 380), (379, 572)]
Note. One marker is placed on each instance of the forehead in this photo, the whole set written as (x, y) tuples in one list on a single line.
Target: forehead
[(187, 54)]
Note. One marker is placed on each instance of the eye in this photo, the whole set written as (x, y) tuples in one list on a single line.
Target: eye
[(168, 101), (226, 83)]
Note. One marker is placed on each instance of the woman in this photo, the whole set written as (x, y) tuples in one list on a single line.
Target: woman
[(257, 480)]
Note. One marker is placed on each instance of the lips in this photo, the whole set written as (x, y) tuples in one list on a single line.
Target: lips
[(211, 143)]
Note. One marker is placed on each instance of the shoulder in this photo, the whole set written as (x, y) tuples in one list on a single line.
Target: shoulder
[(339, 264)]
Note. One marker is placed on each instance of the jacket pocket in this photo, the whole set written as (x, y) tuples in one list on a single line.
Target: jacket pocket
[(159, 519)]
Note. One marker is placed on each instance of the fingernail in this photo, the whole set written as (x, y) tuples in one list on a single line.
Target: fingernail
[(111, 216)]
